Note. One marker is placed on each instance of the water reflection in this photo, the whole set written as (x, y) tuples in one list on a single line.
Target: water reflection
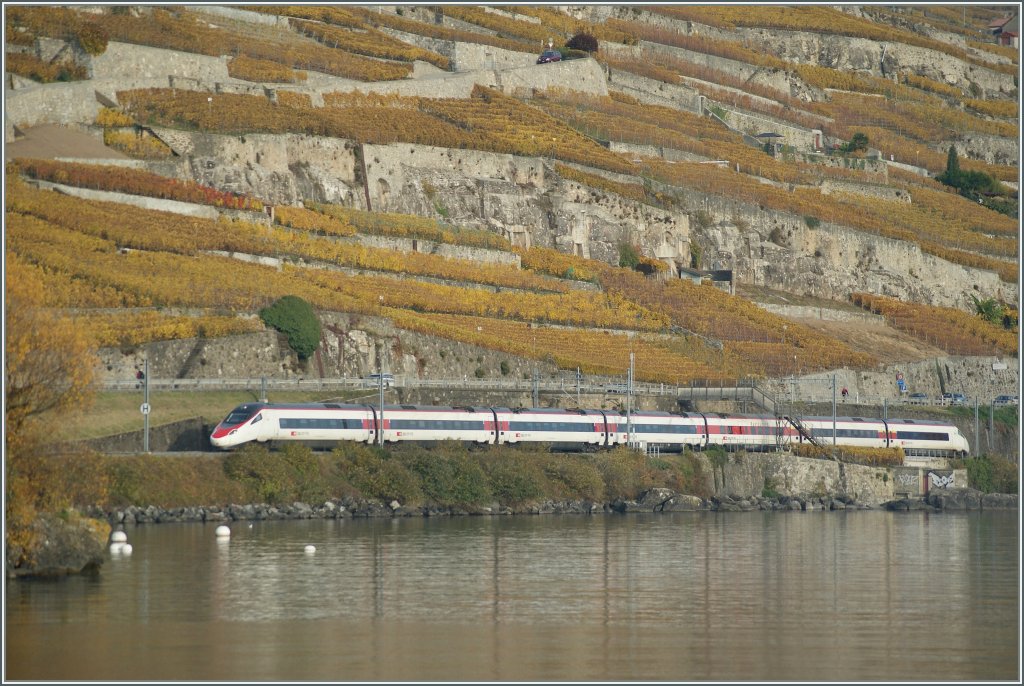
[(690, 596)]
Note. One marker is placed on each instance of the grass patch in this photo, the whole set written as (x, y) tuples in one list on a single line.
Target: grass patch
[(115, 412)]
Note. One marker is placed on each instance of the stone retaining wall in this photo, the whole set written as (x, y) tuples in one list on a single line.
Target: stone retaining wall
[(823, 313)]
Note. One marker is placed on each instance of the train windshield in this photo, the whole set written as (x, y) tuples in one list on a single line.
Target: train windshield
[(241, 414)]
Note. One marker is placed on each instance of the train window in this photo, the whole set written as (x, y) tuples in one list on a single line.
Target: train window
[(239, 415), (257, 418), (921, 436)]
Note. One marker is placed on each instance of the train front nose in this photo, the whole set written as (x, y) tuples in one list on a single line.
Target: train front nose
[(223, 436)]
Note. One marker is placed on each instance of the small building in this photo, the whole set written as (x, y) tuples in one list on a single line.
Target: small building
[(1006, 30), (770, 142), (719, 278)]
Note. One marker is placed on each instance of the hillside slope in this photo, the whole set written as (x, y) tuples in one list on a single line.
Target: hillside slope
[(602, 158)]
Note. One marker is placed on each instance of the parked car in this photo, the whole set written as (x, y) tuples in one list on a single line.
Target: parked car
[(954, 399), (549, 56), (918, 399), (1006, 401), (374, 380)]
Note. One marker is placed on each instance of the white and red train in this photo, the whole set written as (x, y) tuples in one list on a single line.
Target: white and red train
[(330, 422)]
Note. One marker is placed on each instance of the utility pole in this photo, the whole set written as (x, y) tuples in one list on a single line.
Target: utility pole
[(977, 436), (380, 397), (578, 386), (833, 410), (145, 405), (629, 403)]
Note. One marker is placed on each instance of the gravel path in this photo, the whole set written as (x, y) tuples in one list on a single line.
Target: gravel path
[(51, 140)]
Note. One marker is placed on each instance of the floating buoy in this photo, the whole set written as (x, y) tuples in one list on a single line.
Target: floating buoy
[(118, 537), (223, 531), (126, 549), (117, 547), (310, 548)]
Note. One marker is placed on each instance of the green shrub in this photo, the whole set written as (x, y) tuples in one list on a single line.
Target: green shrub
[(504, 368), (264, 473), (514, 479), (992, 474), (303, 474), (92, 38), (579, 480), (629, 256), (449, 477), (377, 475), (624, 473), (812, 222), (294, 317), (584, 42), (479, 373)]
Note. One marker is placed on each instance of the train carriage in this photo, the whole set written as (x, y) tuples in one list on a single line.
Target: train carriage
[(432, 423), (553, 425), (851, 431), (666, 430), (749, 432), (926, 438)]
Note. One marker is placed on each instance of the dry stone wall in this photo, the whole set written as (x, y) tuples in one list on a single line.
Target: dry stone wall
[(878, 58), (781, 251), (976, 377), (655, 92), (351, 346), (127, 63), (277, 169)]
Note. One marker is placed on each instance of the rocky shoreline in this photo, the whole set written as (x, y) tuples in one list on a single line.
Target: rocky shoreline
[(652, 501), (79, 543)]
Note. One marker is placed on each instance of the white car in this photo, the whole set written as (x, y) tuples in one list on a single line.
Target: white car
[(374, 380), (1006, 401)]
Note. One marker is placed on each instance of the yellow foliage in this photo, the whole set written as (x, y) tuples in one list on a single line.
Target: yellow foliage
[(955, 331), (137, 146), (1006, 109), (872, 457), (262, 71), (110, 118)]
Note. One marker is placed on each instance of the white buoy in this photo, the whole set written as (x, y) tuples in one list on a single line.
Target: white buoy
[(310, 548), (223, 531), (116, 548), (126, 549), (118, 537)]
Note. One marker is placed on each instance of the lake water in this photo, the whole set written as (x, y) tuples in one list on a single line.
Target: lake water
[(795, 596)]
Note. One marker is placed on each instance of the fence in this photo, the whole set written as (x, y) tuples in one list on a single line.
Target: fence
[(702, 390)]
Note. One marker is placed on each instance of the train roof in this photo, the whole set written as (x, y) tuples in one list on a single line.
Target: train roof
[(890, 420), (547, 410)]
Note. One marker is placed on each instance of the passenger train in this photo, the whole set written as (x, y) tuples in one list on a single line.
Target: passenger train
[(567, 429)]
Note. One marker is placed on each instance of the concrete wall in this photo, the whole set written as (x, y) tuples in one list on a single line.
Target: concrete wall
[(458, 252), (870, 190), (747, 474), (127, 63), (186, 435), (583, 75), (976, 377), (655, 92), (753, 124), (825, 314), (241, 15), (50, 103)]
